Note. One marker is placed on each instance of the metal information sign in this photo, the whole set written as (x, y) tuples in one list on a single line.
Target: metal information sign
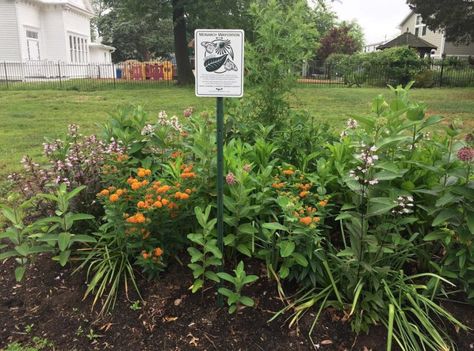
[(219, 62), (219, 69)]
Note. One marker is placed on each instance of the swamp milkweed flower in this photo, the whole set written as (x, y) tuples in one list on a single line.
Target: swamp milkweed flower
[(230, 178), (466, 154)]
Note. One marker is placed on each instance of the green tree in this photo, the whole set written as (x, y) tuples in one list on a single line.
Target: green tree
[(284, 40), (455, 17), (142, 27)]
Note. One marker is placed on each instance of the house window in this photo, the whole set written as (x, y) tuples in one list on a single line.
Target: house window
[(32, 45), (420, 27), (78, 49)]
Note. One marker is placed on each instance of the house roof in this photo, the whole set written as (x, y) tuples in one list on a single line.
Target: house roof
[(81, 5), (408, 39), (411, 13), (102, 46)]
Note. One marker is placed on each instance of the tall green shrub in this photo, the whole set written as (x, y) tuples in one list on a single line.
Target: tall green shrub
[(284, 39)]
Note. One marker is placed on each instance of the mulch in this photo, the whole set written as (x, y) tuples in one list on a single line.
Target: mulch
[(49, 304)]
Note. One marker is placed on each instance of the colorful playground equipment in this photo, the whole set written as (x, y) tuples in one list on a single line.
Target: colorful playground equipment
[(153, 70)]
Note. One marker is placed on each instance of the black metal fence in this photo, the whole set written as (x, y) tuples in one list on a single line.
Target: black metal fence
[(128, 75), (434, 75), (70, 76)]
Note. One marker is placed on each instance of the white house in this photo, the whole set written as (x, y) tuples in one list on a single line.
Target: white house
[(38, 33), (413, 23)]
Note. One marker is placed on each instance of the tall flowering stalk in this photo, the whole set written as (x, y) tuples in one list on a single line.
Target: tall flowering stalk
[(363, 175)]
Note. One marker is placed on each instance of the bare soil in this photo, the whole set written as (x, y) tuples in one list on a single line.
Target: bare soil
[(49, 304)]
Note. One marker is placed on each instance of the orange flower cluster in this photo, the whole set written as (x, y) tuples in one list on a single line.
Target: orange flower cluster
[(187, 172), (142, 172), (176, 154), (308, 220), (135, 184), (113, 193), (288, 172), (278, 185), (306, 215), (137, 218), (323, 203), (121, 158), (157, 252)]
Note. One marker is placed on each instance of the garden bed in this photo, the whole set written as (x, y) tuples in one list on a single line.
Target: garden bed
[(48, 304)]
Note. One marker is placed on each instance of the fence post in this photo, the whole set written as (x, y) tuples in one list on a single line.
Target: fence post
[(98, 69), (113, 73), (59, 72), (5, 68), (443, 57)]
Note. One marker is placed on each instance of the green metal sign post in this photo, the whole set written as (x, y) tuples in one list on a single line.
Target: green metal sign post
[(220, 182), (219, 71)]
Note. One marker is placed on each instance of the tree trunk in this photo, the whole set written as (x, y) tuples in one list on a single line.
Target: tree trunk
[(185, 73)]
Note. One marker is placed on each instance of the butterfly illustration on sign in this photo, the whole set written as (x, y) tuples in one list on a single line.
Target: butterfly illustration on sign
[(219, 56)]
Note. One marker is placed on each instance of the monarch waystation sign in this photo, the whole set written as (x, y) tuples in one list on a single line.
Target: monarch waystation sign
[(219, 62)]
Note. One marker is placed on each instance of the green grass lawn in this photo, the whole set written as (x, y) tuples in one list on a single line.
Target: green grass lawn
[(27, 117)]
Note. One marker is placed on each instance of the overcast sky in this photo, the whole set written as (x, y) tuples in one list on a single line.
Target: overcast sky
[(378, 18)]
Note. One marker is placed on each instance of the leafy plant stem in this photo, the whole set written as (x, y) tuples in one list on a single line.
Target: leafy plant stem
[(449, 160)]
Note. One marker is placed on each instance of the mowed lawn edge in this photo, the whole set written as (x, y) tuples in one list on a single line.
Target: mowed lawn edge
[(28, 117)]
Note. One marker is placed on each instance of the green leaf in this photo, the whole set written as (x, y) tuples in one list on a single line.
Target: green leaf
[(250, 279), (63, 257), (224, 291), (198, 283), (196, 238), (443, 216), (81, 217), (380, 205), (470, 221), (83, 238), (194, 266), (226, 276), (434, 236), (445, 199), (300, 259), (73, 193), (244, 249), (286, 248), (232, 309), (23, 249), (246, 301), (9, 214), (275, 226), (198, 272), (196, 255), (229, 240), (212, 276), (284, 271), (19, 273), (246, 228), (7, 254), (63, 240)]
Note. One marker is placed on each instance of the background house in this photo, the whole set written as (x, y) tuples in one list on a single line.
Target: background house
[(36, 32), (413, 23)]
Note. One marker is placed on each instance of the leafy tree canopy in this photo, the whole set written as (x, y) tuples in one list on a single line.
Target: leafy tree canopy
[(345, 38), (455, 17)]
